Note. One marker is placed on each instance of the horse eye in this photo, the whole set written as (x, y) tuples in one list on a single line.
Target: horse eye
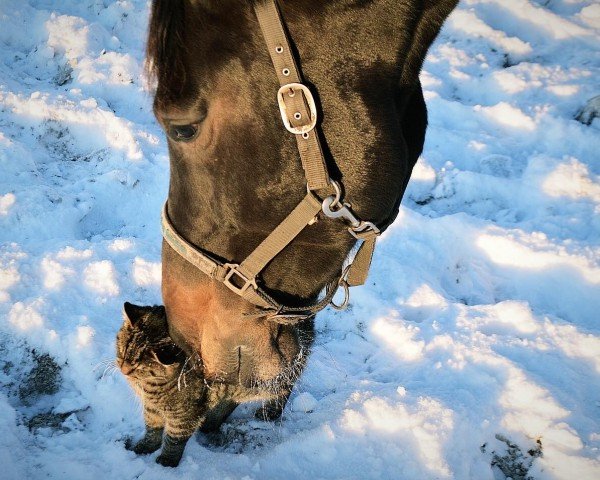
[(183, 133)]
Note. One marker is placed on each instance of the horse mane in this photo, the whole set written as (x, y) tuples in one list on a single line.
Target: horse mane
[(166, 47), (167, 50)]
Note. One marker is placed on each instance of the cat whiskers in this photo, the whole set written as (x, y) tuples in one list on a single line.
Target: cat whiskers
[(110, 367)]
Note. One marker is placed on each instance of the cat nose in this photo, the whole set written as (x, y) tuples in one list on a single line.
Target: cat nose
[(126, 367)]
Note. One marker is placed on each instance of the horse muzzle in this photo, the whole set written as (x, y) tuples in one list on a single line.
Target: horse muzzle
[(206, 319)]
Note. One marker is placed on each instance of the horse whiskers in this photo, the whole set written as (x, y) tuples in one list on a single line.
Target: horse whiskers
[(206, 384), (328, 358), (183, 372), (283, 381)]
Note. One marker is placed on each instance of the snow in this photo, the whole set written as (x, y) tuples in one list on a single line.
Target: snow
[(475, 342), (304, 402), (101, 277), (146, 273), (25, 317)]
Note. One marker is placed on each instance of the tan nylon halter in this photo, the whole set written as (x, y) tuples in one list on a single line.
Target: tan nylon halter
[(299, 116)]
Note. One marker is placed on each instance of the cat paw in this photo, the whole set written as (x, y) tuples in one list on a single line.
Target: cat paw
[(168, 461), (150, 442), (142, 447)]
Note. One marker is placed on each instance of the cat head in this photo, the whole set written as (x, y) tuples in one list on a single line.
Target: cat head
[(144, 348)]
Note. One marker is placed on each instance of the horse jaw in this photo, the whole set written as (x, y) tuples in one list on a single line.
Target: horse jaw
[(261, 357)]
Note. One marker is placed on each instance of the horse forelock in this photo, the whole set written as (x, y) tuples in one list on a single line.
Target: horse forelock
[(184, 35), (166, 46)]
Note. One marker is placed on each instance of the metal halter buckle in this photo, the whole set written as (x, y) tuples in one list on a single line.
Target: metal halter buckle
[(232, 270), (292, 89)]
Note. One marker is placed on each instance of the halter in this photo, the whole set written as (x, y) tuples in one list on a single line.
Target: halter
[(299, 114)]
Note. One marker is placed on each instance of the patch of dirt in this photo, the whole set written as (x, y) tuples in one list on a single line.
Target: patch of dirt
[(25, 373), (43, 379), (239, 436), (56, 421), (64, 75), (512, 462)]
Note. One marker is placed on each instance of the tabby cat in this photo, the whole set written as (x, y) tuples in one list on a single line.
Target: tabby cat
[(174, 402)]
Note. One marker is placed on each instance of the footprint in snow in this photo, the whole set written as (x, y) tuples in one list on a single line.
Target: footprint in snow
[(589, 111)]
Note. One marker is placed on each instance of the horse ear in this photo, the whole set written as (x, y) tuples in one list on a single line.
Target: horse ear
[(132, 313)]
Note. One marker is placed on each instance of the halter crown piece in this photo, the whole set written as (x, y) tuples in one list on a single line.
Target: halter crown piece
[(299, 115)]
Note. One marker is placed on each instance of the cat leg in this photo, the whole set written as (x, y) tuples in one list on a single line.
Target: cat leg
[(172, 451), (152, 439), (177, 433), (217, 415)]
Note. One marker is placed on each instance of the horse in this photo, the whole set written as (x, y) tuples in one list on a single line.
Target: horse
[(236, 173)]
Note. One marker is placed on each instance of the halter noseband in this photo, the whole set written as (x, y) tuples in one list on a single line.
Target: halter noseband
[(299, 115)]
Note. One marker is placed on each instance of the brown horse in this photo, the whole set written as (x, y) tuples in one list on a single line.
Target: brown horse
[(236, 173)]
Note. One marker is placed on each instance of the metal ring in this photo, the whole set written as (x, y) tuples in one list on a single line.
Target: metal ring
[(305, 135), (344, 284), (279, 49), (338, 194), (297, 115), (286, 72)]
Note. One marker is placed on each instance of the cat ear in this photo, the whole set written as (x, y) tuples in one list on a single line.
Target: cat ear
[(133, 313), (159, 311)]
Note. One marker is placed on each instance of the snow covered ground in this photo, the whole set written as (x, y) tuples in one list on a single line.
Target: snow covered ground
[(472, 353)]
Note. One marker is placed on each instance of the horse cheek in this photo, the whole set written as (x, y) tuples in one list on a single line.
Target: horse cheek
[(188, 297)]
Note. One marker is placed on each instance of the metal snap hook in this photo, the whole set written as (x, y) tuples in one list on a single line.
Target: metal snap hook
[(363, 228), (341, 211)]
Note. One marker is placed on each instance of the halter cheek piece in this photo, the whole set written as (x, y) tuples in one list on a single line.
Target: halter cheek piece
[(299, 115)]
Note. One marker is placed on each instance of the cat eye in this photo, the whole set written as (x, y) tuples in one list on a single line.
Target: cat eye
[(183, 133), (168, 354)]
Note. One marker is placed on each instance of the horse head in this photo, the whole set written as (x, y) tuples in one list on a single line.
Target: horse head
[(235, 172)]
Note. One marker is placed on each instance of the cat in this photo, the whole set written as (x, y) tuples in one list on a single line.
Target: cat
[(173, 394)]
